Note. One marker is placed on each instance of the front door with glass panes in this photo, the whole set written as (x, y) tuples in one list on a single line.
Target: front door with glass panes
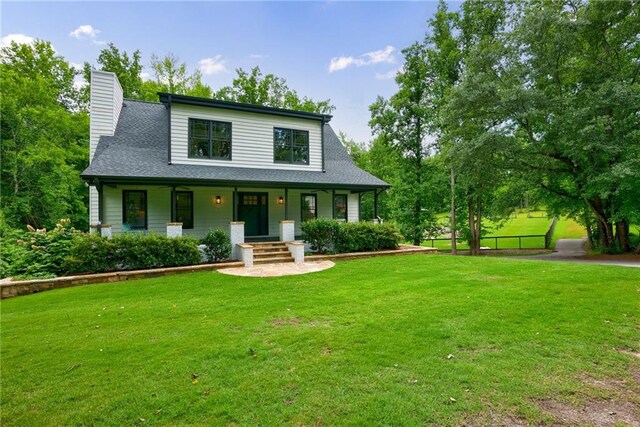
[(253, 210)]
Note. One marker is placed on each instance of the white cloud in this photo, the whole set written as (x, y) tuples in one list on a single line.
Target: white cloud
[(381, 56), (213, 65), (84, 31), (18, 38), (369, 58), (389, 74), (145, 76)]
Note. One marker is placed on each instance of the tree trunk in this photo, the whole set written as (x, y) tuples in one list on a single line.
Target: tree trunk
[(417, 228), (478, 233), (622, 236), (454, 245), (472, 227), (605, 229)]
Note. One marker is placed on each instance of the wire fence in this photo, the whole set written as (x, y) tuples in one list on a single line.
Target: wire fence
[(524, 241)]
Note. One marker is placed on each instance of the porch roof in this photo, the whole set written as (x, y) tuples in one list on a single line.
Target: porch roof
[(138, 153)]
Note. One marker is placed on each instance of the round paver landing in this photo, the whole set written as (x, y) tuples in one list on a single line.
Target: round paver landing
[(274, 270)]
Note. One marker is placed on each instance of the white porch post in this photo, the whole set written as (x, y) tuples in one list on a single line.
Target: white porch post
[(287, 231), (236, 235), (105, 231), (174, 229), (246, 254), (297, 251)]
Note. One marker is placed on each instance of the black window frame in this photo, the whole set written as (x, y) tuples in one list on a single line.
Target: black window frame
[(211, 139), (302, 208), (346, 207), (291, 146), (125, 193), (174, 202)]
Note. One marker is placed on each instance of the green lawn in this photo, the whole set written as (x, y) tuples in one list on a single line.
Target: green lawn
[(520, 225), (364, 343)]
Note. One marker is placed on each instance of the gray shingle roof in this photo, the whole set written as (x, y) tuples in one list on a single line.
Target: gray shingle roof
[(138, 151)]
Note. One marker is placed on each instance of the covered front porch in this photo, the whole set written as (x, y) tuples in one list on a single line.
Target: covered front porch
[(193, 210)]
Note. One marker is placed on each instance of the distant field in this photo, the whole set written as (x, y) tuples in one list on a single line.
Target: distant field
[(534, 223)]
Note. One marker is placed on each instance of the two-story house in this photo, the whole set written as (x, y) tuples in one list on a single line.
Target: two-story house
[(205, 163)]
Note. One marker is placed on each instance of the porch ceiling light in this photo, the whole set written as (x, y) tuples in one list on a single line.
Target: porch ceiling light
[(218, 200), (281, 200)]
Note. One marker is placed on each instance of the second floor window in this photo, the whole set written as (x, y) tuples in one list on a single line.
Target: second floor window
[(290, 146), (209, 139)]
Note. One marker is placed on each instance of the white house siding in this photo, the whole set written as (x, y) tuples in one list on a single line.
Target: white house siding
[(207, 214), (93, 205), (251, 137), (106, 104), (353, 207)]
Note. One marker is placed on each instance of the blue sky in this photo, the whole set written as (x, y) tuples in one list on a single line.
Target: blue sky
[(345, 51)]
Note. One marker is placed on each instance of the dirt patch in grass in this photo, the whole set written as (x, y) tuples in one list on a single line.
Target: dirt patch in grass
[(593, 412), (620, 407), (289, 321)]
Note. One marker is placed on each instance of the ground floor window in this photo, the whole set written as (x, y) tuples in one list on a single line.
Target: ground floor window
[(340, 206), (134, 209), (184, 208), (309, 206)]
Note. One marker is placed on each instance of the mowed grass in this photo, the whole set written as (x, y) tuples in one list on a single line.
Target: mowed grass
[(521, 225), (364, 343)]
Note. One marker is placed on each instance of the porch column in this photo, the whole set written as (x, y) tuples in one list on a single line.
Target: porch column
[(333, 203), (174, 229), (375, 205), (286, 204), (105, 231), (236, 235), (234, 216), (287, 231)]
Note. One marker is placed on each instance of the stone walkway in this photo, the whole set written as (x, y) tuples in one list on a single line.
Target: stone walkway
[(274, 270)]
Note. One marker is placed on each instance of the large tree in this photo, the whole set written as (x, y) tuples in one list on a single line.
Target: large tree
[(578, 119), (170, 75), (127, 68), (254, 88), (44, 138), (405, 120)]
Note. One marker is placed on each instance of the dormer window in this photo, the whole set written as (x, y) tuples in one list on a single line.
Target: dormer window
[(209, 139), (290, 146)]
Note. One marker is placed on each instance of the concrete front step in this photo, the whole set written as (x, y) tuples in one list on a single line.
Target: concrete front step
[(276, 254), (272, 260), (270, 249)]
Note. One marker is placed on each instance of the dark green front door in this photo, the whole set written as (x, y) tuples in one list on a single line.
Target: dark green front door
[(253, 210)]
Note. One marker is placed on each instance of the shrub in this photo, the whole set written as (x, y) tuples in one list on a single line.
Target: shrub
[(366, 236), (320, 233), (90, 253), (95, 254), (217, 245), (38, 253)]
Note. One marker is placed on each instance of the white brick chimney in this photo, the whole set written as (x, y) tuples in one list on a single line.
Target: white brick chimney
[(104, 111)]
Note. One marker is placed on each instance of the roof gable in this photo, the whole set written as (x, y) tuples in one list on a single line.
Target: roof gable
[(138, 151)]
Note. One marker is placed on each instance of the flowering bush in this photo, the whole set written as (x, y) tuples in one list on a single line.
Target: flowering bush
[(38, 253)]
